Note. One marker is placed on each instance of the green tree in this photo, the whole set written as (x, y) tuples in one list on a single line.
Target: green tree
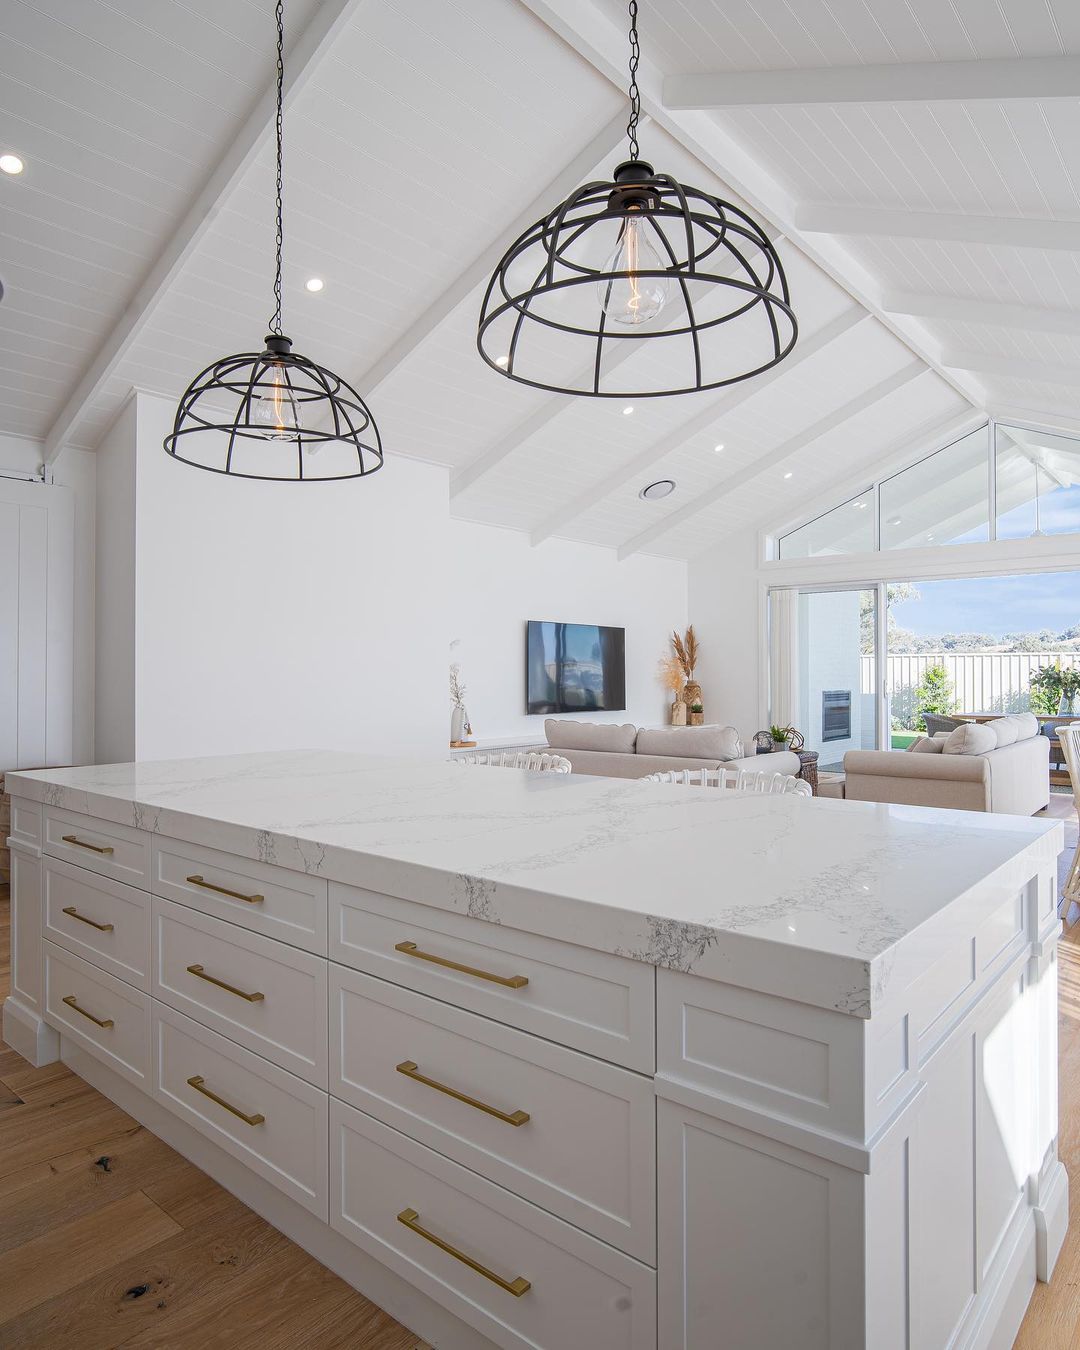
[(933, 694), (895, 593)]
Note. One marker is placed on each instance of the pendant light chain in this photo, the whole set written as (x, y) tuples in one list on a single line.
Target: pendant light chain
[(275, 322), (635, 92)]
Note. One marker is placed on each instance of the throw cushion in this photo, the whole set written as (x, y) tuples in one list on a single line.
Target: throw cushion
[(615, 737), (928, 745), (1005, 729), (711, 742), (970, 739), (1027, 725)]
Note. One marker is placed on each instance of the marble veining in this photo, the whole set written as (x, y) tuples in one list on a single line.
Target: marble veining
[(813, 898)]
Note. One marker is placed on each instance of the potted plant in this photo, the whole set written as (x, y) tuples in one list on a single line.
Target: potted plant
[(686, 653), (671, 677), (1054, 684), (780, 737), (697, 713)]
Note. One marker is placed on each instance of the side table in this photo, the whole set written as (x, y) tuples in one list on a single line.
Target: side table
[(808, 768)]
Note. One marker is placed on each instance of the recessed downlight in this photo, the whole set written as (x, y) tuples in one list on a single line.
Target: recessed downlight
[(718, 448), (628, 410), (314, 284), (788, 474), (12, 164), (895, 520), (663, 487), (503, 361)]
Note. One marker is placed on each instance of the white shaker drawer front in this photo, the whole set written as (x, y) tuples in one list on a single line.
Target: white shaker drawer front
[(102, 920), (116, 851), (589, 1000), (522, 1277), (289, 906), (268, 997), (273, 1122), (565, 1131), (104, 1015)]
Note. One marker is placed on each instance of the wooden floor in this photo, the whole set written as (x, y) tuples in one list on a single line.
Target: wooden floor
[(109, 1238)]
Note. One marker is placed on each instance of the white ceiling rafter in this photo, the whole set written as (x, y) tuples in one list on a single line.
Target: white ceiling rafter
[(1000, 231), (598, 149), (867, 399), (709, 415), (305, 55), (1013, 367), (991, 313), (602, 43), (973, 81)]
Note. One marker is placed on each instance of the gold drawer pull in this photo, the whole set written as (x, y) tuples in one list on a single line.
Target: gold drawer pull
[(222, 890), (230, 988), (517, 1286), (509, 981), (70, 1001), (101, 927), (199, 1084), (81, 843), (409, 1069)]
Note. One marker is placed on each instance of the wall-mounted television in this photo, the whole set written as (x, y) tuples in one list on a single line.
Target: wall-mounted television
[(574, 667)]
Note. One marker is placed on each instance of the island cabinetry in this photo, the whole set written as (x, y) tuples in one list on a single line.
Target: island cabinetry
[(116, 851), (106, 1016), (107, 922)]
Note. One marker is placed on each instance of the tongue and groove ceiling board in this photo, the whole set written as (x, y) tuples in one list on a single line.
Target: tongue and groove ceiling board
[(418, 138)]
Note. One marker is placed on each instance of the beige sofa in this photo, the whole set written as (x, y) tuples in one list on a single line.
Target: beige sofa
[(987, 768), (626, 751)]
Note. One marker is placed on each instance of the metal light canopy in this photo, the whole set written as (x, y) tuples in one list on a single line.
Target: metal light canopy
[(639, 258), (287, 405)]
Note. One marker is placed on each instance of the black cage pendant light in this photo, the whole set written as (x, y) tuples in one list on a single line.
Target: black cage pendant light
[(274, 414), (637, 287)]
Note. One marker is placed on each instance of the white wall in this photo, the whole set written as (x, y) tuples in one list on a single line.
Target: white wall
[(724, 607), (283, 615), (498, 581), (114, 698), (74, 469)]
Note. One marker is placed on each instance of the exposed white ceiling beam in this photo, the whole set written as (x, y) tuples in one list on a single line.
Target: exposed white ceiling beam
[(601, 40), (1003, 231), (772, 458), (576, 172), (302, 59), (1039, 418), (916, 82), (708, 416), (992, 313), (1013, 367)]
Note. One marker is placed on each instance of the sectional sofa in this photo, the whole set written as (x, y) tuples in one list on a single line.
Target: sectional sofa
[(626, 751)]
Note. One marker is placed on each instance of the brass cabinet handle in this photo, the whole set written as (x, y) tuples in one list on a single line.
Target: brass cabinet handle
[(222, 890), (230, 988), (101, 927), (199, 1084), (409, 1069), (508, 981), (517, 1286), (70, 1001), (81, 843)]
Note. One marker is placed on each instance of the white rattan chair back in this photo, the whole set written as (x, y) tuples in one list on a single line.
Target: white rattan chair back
[(1069, 740), (539, 762), (737, 780)]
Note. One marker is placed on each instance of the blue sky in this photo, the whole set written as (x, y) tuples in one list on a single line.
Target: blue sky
[(993, 605)]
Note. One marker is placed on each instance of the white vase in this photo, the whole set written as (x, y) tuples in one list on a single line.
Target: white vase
[(457, 724)]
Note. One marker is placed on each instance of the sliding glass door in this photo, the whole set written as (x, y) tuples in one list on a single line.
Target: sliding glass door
[(824, 665)]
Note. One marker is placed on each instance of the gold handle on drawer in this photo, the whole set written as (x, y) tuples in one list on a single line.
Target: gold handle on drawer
[(508, 981), (230, 988), (70, 1001), (199, 1084), (517, 1286), (223, 890), (81, 843), (410, 1070), (101, 927)]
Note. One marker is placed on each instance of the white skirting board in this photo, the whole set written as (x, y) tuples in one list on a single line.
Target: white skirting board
[(402, 1301)]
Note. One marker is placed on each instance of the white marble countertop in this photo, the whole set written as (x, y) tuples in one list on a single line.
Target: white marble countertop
[(826, 901)]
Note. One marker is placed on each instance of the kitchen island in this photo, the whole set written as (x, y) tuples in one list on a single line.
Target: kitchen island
[(551, 1060)]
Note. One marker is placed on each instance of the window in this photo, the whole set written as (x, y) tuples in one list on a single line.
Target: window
[(1038, 482), (845, 529), (944, 499)]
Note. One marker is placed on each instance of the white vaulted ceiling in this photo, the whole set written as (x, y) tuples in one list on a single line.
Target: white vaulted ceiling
[(932, 242)]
